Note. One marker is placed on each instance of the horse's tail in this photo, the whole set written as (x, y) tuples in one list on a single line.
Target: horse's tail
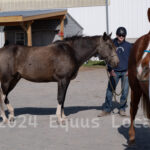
[(146, 106), (148, 14)]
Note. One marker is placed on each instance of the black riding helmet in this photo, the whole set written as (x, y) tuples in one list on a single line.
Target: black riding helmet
[(121, 31)]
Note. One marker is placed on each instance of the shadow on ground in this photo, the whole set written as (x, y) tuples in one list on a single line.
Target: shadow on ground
[(51, 111), (142, 138)]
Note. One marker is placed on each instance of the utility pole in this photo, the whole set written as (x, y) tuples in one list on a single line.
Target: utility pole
[(107, 18)]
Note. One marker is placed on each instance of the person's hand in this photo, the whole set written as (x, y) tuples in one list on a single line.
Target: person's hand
[(127, 73), (112, 73)]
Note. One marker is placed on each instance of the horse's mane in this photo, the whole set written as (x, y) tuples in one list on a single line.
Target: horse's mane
[(72, 38), (76, 37)]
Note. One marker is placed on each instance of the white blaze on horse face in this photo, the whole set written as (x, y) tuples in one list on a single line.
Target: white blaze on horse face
[(139, 68)]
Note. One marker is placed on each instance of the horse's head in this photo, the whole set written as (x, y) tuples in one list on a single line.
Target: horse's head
[(107, 50), (143, 68)]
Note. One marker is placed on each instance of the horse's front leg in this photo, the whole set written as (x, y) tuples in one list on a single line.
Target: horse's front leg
[(11, 112), (135, 99), (63, 113), (62, 89)]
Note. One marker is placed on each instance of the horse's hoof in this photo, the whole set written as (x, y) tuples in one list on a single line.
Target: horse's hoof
[(61, 122), (11, 119), (66, 118)]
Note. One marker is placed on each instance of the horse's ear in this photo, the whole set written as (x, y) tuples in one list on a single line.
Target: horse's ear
[(110, 34), (105, 36), (148, 13)]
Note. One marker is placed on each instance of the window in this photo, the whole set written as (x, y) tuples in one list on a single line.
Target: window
[(20, 38)]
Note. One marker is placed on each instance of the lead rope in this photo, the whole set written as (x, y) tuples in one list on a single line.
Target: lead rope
[(115, 94)]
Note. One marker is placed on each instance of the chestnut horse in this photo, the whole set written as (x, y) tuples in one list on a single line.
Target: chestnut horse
[(138, 74), (58, 62)]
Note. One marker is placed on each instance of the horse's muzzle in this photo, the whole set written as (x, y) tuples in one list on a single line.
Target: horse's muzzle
[(114, 61)]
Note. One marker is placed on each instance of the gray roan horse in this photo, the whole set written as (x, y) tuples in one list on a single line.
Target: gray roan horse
[(57, 62)]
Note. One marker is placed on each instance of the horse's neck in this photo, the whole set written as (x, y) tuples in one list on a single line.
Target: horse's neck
[(84, 50)]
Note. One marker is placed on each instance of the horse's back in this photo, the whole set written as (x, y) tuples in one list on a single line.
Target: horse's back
[(39, 64)]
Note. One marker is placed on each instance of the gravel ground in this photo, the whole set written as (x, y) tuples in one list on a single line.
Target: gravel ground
[(35, 126)]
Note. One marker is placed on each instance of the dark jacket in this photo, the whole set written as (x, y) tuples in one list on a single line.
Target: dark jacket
[(123, 51)]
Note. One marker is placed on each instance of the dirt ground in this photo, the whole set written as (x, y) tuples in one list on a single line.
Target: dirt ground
[(35, 126)]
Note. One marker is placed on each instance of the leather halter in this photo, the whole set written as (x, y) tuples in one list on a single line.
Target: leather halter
[(148, 51)]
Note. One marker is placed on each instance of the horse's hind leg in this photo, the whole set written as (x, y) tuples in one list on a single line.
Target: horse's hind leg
[(3, 115), (135, 99), (62, 89), (7, 86)]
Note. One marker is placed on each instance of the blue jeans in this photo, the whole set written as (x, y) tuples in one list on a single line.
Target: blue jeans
[(107, 106)]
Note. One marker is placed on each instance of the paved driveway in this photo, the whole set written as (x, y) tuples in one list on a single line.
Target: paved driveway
[(35, 127)]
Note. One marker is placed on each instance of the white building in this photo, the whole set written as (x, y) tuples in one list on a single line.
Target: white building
[(131, 14)]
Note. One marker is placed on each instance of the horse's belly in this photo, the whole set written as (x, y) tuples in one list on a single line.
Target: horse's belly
[(37, 74), (38, 78)]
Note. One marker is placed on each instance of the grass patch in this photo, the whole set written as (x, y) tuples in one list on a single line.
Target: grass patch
[(94, 63)]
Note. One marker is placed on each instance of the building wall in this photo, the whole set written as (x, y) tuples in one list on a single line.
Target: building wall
[(13, 5), (71, 27), (10, 33), (92, 19), (45, 31), (129, 13)]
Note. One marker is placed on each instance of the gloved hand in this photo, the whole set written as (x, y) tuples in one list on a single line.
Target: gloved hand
[(112, 73)]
